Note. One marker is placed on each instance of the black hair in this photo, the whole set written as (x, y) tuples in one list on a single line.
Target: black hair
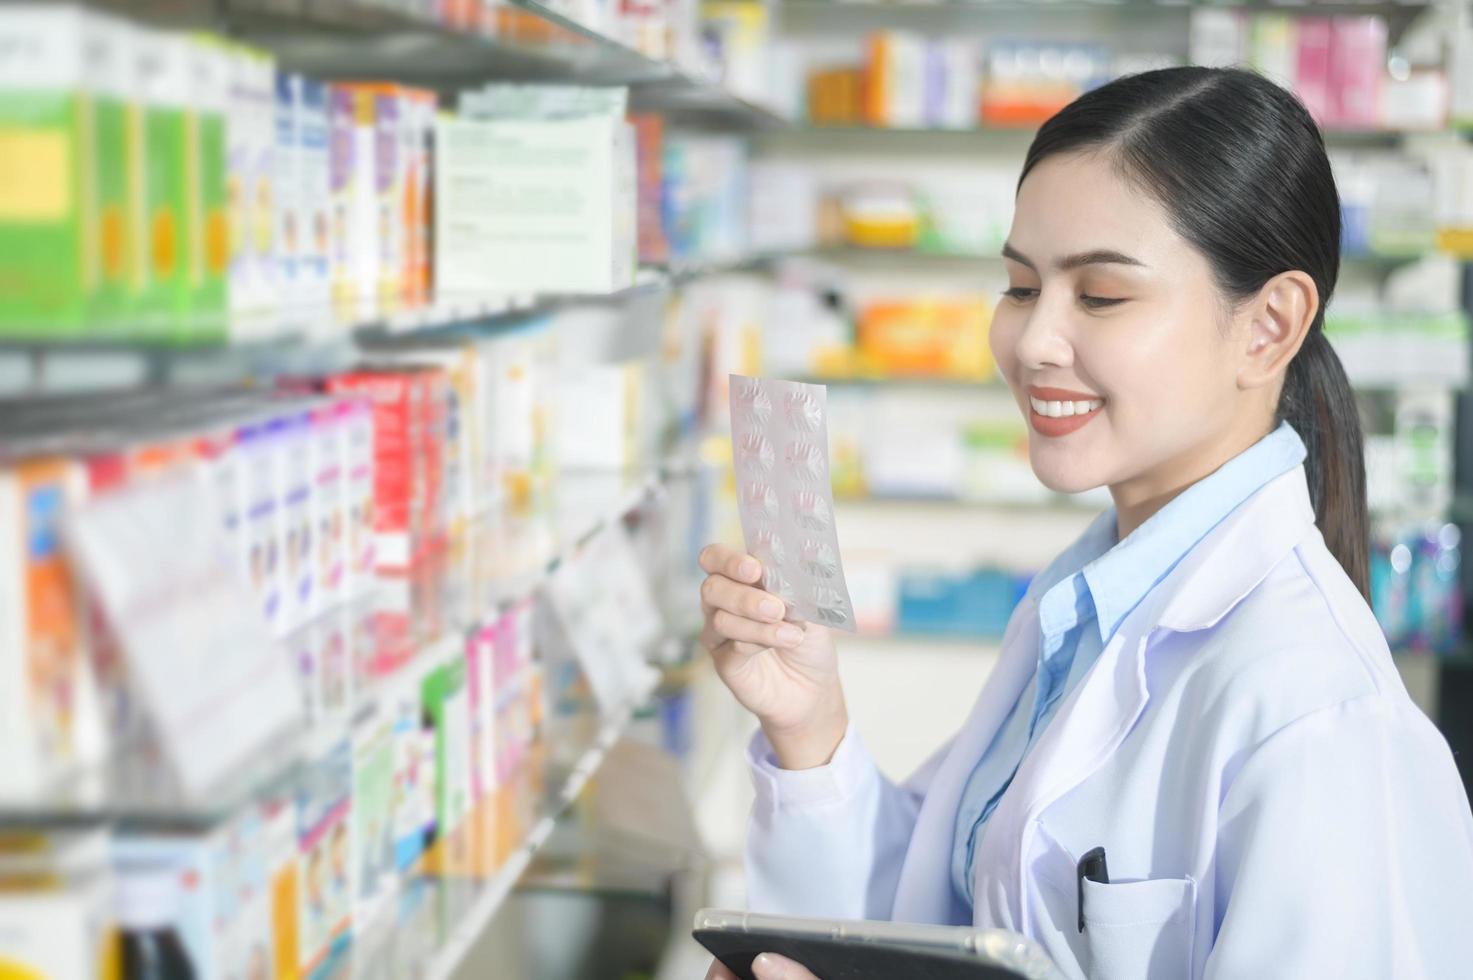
[(1240, 168)]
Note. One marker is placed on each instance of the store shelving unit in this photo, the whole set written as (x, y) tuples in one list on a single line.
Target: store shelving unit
[(1010, 136), (495, 891), (1003, 15), (134, 789), (524, 40)]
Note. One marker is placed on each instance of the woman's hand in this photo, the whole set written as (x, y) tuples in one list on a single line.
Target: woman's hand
[(767, 967), (786, 674)]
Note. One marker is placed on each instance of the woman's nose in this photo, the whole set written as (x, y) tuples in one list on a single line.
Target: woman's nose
[(1042, 344)]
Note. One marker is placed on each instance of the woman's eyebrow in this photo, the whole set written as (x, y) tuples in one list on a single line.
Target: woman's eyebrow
[(1098, 256)]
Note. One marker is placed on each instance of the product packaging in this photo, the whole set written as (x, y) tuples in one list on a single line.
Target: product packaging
[(324, 805), (398, 413), (1357, 64), (352, 255), (1312, 75), (295, 442), (414, 780), (446, 704), (503, 222), (371, 850), (319, 195), (284, 883), (251, 180), (359, 560), (258, 442), (329, 504), (290, 205), (164, 208), (66, 251), (57, 905), (418, 135), (481, 690), (780, 438), (207, 235), (41, 660), (382, 117), (224, 910)]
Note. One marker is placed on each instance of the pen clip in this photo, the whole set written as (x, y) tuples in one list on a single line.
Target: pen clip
[(1091, 866)]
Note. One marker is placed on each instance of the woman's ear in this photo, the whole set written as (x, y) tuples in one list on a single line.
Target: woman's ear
[(1279, 318)]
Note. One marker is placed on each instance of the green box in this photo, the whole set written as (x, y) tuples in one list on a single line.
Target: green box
[(205, 168), (161, 219), (65, 250), (445, 701)]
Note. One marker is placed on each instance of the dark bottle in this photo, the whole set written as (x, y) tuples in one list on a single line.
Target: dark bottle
[(148, 909)]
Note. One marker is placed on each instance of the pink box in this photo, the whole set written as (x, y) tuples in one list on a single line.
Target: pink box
[(1312, 67), (1357, 62)]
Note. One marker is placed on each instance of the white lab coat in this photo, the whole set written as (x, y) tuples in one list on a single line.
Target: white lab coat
[(1271, 802)]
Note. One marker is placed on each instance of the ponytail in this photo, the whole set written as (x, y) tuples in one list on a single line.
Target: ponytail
[(1318, 402)]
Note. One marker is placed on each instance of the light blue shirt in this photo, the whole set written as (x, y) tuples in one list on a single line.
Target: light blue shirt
[(1084, 596)]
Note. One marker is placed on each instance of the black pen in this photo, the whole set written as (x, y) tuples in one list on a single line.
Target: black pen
[(1091, 866)]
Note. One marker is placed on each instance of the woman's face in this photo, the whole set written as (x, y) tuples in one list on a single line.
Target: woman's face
[(1113, 323)]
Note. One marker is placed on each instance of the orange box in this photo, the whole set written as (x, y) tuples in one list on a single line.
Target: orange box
[(927, 337)]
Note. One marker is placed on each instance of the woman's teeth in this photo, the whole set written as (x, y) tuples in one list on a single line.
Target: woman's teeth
[(1063, 410)]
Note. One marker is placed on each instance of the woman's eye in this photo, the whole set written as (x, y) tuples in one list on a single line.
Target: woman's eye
[(1020, 293), (1099, 302)]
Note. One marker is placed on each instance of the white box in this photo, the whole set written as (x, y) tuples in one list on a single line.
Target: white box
[(314, 193), (291, 216), (533, 205), (250, 194)]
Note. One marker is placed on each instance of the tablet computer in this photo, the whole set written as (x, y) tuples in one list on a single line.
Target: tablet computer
[(862, 950)]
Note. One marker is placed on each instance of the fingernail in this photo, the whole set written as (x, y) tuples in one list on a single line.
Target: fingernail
[(789, 636), (772, 609), (767, 968), (748, 569)]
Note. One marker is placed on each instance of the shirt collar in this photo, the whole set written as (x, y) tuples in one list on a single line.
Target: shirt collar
[(1123, 576), (1113, 578)]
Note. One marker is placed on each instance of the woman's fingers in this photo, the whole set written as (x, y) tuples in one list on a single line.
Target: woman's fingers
[(770, 966), (718, 559), (719, 972), (720, 592), (784, 635)]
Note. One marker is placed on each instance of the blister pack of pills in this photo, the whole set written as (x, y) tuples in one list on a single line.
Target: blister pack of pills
[(780, 438)]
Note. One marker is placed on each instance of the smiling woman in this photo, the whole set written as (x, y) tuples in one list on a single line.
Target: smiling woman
[(1196, 686)]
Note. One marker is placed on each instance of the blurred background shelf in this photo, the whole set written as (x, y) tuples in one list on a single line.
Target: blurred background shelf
[(137, 789)]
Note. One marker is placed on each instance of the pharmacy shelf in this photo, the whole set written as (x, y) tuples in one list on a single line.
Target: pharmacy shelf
[(1017, 17), (464, 899), (919, 257), (137, 788), (840, 137), (493, 895), (523, 40), (307, 336)]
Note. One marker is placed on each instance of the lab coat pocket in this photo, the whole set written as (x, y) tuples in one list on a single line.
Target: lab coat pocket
[(1140, 929)]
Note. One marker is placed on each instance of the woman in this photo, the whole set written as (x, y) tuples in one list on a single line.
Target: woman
[(1196, 685)]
